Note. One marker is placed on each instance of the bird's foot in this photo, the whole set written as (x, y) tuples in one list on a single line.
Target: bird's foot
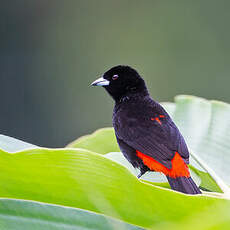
[(143, 170), (139, 175)]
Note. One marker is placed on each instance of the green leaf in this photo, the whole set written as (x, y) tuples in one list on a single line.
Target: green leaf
[(27, 215), (207, 183), (102, 141), (216, 218), (206, 128), (11, 144), (83, 179)]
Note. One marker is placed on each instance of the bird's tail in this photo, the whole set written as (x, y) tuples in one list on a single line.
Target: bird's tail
[(183, 184)]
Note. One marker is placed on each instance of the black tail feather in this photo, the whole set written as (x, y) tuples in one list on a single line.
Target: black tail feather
[(184, 184)]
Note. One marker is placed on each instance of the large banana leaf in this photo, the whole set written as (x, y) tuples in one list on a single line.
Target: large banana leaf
[(27, 215), (206, 128), (83, 179)]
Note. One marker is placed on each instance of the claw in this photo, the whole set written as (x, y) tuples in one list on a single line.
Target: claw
[(139, 175), (142, 172)]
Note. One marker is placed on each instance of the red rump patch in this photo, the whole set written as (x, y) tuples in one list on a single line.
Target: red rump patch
[(179, 167)]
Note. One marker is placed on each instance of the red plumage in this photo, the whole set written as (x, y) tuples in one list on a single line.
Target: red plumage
[(179, 168)]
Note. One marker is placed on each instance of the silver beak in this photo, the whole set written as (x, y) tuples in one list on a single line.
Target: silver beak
[(100, 82)]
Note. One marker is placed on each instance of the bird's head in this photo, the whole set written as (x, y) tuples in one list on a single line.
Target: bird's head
[(121, 81)]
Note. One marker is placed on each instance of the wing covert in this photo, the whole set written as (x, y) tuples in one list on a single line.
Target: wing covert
[(159, 140)]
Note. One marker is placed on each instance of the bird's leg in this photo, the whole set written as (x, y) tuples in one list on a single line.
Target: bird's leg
[(143, 170), (140, 174)]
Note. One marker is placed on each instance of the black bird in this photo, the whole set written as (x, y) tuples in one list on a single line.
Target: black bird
[(146, 134)]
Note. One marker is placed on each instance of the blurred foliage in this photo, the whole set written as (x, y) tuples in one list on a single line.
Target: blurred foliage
[(52, 50), (78, 178)]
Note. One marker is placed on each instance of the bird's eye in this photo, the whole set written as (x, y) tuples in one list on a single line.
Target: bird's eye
[(114, 77)]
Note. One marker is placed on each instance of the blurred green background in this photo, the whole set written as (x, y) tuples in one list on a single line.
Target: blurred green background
[(52, 50)]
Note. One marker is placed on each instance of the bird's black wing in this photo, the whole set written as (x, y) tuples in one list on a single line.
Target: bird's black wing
[(159, 140)]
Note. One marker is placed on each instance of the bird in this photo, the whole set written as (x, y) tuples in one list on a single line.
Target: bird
[(145, 133)]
